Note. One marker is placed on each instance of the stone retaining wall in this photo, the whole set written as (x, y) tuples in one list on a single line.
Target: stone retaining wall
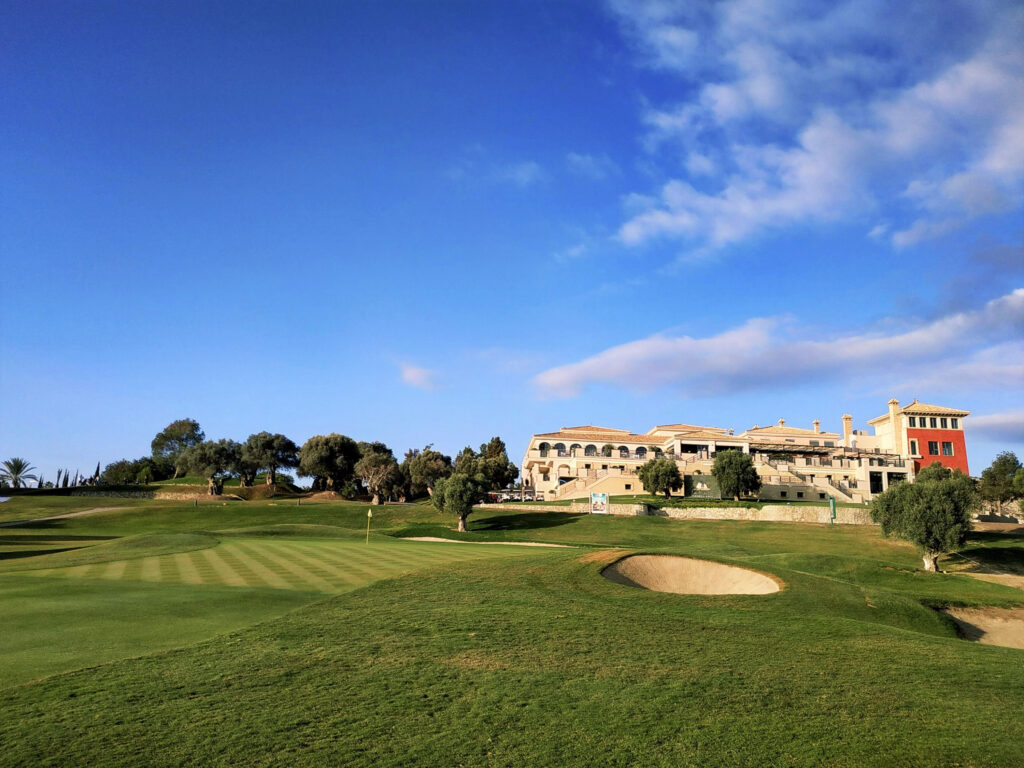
[(774, 513)]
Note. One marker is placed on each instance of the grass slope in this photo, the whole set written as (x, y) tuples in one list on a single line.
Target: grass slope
[(521, 657)]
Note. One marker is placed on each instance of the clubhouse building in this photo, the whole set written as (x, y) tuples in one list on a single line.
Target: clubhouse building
[(794, 464)]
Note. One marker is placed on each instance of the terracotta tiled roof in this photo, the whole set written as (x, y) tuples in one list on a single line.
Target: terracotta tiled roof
[(591, 428), (597, 437), (932, 410), (915, 408), (687, 428), (706, 435), (794, 431)]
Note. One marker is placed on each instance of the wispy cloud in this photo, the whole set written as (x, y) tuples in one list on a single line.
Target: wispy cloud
[(415, 376), (477, 165), (593, 167), (798, 114), (522, 174), (1007, 426), (767, 352)]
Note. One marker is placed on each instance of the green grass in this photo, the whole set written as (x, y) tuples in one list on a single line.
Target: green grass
[(267, 633)]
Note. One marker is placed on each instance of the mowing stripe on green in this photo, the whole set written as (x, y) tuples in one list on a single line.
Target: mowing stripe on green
[(309, 579)]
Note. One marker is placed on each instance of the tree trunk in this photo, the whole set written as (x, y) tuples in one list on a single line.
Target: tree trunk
[(377, 499), (271, 477), (930, 561), (213, 486), (735, 498), (462, 523), (430, 491)]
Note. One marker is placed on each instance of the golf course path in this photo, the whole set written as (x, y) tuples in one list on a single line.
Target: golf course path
[(16, 523)]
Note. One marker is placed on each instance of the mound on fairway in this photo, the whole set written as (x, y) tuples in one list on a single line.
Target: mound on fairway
[(688, 576)]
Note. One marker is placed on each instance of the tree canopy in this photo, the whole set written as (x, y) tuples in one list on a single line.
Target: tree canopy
[(175, 438), (997, 482), (271, 452), (735, 473), (933, 512), (211, 459), (660, 476), (380, 474), (490, 466), (424, 468), (17, 472), (456, 495), (330, 460)]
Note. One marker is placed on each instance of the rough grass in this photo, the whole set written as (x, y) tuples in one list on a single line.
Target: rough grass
[(525, 660)]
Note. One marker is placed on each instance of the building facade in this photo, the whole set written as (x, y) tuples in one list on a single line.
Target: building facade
[(794, 464)]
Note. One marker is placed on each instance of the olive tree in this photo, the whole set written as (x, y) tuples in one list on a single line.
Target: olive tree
[(997, 482), (424, 468), (456, 495), (660, 476), (330, 460), (735, 473), (379, 473), (211, 459), (271, 452), (173, 439), (933, 512)]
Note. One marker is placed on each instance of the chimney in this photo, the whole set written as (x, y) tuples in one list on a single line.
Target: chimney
[(782, 422), (817, 426), (894, 406), (847, 429)]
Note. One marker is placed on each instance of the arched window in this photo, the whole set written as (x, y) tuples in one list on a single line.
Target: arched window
[(560, 449), (590, 450), (573, 448), (544, 448), (623, 452), (641, 453)]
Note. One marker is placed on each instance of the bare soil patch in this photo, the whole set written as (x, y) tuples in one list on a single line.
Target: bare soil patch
[(689, 576), (990, 626)]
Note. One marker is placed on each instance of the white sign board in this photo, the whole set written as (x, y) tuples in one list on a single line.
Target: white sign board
[(599, 503)]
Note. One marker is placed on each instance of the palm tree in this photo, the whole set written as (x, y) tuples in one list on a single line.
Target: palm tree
[(16, 472)]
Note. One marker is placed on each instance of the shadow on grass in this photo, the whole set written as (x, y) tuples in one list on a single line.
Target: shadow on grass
[(22, 553), (522, 522), (1007, 559)]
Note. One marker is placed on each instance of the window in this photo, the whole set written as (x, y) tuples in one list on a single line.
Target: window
[(955, 423), (913, 448), (933, 423), (783, 494), (814, 442), (830, 443), (629, 487), (799, 494), (947, 449), (944, 423), (933, 448), (821, 495), (913, 421)]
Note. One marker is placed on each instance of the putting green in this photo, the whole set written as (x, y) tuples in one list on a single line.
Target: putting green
[(305, 565)]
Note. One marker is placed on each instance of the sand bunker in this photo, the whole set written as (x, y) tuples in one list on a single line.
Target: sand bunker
[(991, 626), (688, 576)]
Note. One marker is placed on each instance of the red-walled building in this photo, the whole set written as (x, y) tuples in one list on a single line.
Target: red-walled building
[(925, 434)]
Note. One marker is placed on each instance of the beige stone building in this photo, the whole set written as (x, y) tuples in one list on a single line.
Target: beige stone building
[(795, 464)]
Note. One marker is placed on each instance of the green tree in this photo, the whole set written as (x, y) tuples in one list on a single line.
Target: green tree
[(933, 513), (173, 439), (271, 452), (17, 472), (1018, 482), (379, 473), (490, 466), (456, 495), (997, 481), (735, 473), (425, 468), (660, 476), (120, 472), (330, 460), (212, 460)]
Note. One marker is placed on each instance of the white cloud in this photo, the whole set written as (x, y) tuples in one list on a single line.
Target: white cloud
[(825, 112), (764, 352), (415, 376), (1007, 426)]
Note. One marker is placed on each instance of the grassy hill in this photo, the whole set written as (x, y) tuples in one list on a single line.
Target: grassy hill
[(269, 633)]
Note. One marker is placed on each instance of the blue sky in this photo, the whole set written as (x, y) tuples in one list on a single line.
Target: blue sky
[(436, 222)]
